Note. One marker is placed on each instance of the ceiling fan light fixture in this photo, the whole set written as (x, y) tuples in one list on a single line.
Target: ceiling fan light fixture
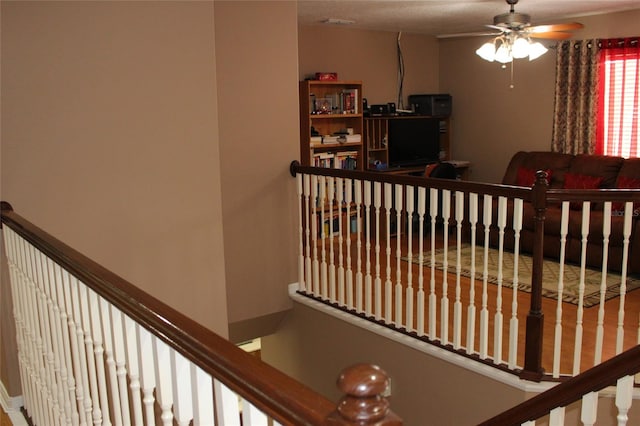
[(487, 51), (503, 53), (520, 48), (536, 50)]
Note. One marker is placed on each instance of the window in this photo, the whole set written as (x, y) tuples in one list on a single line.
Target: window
[(618, 113)]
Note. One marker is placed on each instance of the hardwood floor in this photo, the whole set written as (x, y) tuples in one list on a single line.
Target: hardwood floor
[(4, 419), (574, 356)]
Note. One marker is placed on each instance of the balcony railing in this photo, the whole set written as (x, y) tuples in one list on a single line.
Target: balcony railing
[(94, 349), (376, 245)]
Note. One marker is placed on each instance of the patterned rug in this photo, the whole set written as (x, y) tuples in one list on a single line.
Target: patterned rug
[(551, 272)]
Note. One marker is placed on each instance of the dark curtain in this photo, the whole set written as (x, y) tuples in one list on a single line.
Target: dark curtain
[(576, 97)]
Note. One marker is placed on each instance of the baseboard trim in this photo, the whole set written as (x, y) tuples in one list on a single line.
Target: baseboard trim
[(11, 406)]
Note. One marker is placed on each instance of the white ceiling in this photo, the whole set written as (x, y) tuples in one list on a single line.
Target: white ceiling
[(441, 17)]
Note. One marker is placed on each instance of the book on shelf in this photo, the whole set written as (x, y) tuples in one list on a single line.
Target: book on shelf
[(339, 138), (349, 101), (347, 160)]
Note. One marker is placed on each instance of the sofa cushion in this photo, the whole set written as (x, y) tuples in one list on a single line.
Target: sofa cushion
[(578, 181), (626, 182), (630, 168), (597, 165), (538, 160)]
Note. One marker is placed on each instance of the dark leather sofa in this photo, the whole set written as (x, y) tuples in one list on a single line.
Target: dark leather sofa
[(603, 171)]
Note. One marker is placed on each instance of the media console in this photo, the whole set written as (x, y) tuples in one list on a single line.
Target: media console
[(401, 142)]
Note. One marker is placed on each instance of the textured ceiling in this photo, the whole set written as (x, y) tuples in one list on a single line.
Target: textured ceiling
[(437, 17)]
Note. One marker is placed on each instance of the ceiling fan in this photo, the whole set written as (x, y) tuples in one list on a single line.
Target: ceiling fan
[(514, 37)]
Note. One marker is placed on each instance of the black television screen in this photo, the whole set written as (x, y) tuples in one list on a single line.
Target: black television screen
[(413, 141)]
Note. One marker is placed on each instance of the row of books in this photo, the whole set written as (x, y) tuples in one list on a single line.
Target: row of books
[(347, 160), (336, 139)]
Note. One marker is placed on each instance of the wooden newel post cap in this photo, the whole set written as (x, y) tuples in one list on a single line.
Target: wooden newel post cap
[(363, 403)]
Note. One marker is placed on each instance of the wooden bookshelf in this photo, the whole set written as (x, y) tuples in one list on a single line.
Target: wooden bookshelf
[(327, 110)]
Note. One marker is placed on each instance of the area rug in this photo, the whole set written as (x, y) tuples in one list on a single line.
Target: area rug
[(551, 272)]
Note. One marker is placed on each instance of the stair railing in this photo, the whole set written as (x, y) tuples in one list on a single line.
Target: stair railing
[(94, 349), (618, 371)]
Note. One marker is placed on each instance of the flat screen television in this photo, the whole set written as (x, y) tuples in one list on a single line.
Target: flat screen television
[(413, 141)]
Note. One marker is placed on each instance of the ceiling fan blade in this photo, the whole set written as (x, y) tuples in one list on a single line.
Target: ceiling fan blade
[(551, 35), (569, 26), (475, 34)]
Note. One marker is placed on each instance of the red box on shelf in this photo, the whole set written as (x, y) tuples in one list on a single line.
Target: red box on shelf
[(327, 76)]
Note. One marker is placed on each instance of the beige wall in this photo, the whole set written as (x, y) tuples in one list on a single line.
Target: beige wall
[(110, 140), (314, 348), (137, 132), (258, 98), (370, 56), (491, 121)]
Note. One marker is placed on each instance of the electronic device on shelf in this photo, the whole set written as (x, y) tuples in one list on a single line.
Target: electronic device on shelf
[(414, 141)]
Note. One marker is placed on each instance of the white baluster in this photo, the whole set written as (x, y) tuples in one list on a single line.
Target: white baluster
[(498, 318), (324, 279), (606, 232), (556, 417), (90, 355), (61, 283), (252, 416), (131, 335), (299, 188), (457, 305), (341, 229), (45, 336), (310, 222), (114, 400), (471, 310), (377, 283), (202, 389), (87, 399), (513, 323), (398, 288), (409, 291), (316, 201), (557, 346), (422, 200), (182, 388), (331, 195), (388, 204), (120, 362), (359, 276), (227, 405), (164, 382), (484, 311), (626, 233), (348, 199), (57, 348), (624, 396), (368, 301), (586, 208), (98, 350), (146, 362), (444, 300), (589, 412), (433, 212), (37, 312)]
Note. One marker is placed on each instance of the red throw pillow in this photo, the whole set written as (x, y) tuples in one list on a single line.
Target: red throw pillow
[(626, 182), (527, 177), (576, 181)]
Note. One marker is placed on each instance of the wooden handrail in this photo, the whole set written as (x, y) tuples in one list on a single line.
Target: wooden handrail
[(274, 393), (565, 393)]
